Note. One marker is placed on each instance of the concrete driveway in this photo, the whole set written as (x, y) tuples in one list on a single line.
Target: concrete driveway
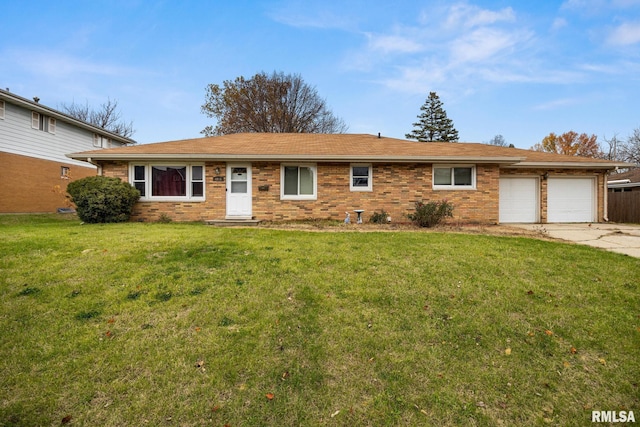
[(621, 238)]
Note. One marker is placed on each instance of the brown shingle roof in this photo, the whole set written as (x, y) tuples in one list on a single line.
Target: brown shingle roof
[(334, 147)]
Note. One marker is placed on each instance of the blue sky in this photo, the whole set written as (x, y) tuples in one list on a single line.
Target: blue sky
[(521, 69)]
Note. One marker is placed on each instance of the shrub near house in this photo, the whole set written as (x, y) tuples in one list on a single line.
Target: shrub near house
[(102, 199)]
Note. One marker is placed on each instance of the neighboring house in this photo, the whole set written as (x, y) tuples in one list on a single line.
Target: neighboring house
[(625, 181), (301, 176), (623, 201), (33, 142)]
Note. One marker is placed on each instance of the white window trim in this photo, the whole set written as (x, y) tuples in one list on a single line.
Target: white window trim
[(52, 125), (453, 186), (50, 122), (369, 186), (314, 171), (2, 108), (147, 182)]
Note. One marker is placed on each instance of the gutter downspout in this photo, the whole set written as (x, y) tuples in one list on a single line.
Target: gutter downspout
[(96, 165), (605, 218)]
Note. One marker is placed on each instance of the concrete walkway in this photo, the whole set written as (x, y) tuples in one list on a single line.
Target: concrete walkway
[(621, 238)]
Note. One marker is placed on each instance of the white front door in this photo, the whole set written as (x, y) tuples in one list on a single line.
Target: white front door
[(239, 191)]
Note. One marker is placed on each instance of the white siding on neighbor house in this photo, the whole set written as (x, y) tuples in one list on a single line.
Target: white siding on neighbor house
[(18, 137)]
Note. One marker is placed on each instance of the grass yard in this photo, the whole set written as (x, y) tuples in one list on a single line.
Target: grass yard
[(189, 325)]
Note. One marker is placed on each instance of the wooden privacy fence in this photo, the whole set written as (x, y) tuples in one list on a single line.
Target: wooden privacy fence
[(624, 207)]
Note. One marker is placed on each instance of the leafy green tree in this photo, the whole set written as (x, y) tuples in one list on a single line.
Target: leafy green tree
[(433, 125), (273, 103)]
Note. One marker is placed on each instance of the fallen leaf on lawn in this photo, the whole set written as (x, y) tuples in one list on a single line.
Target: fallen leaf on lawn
[(270, 396), (573, 350), (566, 364), (66, 420), (198, 328), (531, 334), (548, 332), (508, 351), (108, 333), (111, 320), (481, 405), (285, 375), (602, 361), (335, 413), (215, 408), (529, 292), (200, 363)]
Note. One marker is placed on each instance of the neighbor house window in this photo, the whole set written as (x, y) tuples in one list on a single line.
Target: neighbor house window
[(454, 177), (101, 141), (168, 182), (65, 172), (1, 109), (360, 179), (42, 122), (298, 182)]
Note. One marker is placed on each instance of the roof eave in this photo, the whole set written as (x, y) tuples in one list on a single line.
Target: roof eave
[(295, 157), (571, 165)]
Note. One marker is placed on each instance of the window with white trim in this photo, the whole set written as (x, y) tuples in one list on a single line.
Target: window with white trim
[(360, 178), (168, 182), (454, 177), (298, 182), (1, 109), (101, 141), (42, 122)]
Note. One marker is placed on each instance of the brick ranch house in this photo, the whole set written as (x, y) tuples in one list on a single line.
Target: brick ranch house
[(279, 176)]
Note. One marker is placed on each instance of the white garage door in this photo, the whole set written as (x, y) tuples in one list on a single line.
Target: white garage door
[(571, 200), (519, 199)]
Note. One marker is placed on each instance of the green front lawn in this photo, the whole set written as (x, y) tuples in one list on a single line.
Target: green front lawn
[(189, 325)]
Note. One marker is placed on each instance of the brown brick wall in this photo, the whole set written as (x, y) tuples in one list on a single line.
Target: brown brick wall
[(31, 185), (396, 188), (599, 175)]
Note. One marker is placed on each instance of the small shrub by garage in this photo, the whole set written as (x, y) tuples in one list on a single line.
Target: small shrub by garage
[(101, 199)]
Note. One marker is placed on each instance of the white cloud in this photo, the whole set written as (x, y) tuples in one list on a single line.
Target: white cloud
[(559, 23), (470, 16), (59, 64), (393, 44), (482, 44), (627, 33)]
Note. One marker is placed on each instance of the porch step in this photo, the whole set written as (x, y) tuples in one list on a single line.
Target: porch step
[(233, 222)]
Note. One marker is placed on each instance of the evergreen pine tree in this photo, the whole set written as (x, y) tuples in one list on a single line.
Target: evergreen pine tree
[(433, 125)]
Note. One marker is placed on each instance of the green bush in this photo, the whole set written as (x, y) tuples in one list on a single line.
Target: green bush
[(431, 213), (101, 199), (379, 217)]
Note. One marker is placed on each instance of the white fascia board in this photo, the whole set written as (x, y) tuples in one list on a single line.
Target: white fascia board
[(296, 157), (570, 165)]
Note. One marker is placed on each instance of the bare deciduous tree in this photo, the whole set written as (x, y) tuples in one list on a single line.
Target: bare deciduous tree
[(273, 103), (107, 117)]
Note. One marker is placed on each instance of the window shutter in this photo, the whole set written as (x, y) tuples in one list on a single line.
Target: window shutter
[(1, 109), (52, 125), (35, 120), (96, 140)]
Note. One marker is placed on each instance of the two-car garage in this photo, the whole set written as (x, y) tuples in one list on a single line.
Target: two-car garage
[(569, 199)]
